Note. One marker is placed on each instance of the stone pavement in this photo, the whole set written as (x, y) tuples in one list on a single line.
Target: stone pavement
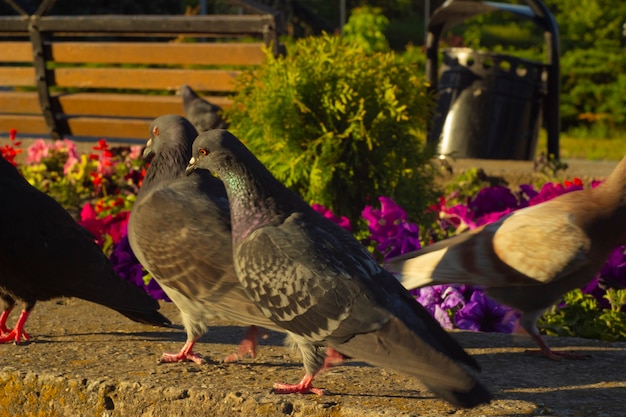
[(86, 360)]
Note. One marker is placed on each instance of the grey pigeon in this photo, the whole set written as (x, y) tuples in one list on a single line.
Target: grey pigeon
[(202, 114), (531, 257), (45, 254), (179, 229), (317, 282)]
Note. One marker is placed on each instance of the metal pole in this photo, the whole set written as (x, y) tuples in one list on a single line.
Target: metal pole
[(426, 18), (342, 15)]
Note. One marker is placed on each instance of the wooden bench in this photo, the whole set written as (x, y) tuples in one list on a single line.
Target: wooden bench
[(110, 76)]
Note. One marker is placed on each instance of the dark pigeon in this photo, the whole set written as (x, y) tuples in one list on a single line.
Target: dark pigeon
[(316, 281), (203, 115), (45, 254), (179, 229)]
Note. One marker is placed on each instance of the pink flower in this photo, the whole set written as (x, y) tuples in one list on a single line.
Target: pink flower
[(37, 151), (135, 151), (342, 221)]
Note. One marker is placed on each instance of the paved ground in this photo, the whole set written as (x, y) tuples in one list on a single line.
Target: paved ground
[(86, 360)]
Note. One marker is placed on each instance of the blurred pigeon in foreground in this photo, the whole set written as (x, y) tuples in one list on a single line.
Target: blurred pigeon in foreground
[(202, 114), (179, 229), (531, 257), (45, 254), (314, 279)]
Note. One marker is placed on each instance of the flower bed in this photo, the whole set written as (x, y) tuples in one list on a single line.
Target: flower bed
[(100, 187)]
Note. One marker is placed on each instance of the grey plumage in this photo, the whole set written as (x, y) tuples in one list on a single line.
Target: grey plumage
[(315, 280), (202, 114), (45, 254), (531, 257), (179, 229)]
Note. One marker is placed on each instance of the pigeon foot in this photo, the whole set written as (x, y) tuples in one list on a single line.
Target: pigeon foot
[(544, 350), (305, 386), (16, 335), (556, 355), (186, 354), (247, 346)]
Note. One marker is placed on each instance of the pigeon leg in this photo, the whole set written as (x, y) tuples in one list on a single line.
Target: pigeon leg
[(333, 358), (17, 334), (247, 346), (544, 350), (305, 386), (185, 354), (3, 321)]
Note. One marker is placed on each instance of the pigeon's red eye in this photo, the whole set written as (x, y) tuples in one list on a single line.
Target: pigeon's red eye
[(203, 152)]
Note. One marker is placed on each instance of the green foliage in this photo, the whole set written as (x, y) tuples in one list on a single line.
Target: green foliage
[(582, 317), (339, 126), (365, 28)]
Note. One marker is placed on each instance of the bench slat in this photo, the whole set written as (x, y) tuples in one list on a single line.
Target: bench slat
[(101, 104), (16, 52), (26, 124), (18, 102), (17, 76), (158, 53), (110, 127), (145, 78)]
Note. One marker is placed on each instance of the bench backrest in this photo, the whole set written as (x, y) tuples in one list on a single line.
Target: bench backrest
[(110, 76)]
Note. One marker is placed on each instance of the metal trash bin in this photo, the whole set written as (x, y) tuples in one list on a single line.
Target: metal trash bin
[(488, 105), (491, 106)]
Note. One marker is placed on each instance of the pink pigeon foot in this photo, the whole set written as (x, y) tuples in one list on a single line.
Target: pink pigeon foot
[(333, 358), (185, 355), (247, 346), (17, 334), (544, 350), (4, 330), (305, 386)]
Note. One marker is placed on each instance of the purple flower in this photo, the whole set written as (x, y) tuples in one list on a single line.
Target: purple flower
[(437, 299), (128, 267), (493, 200), (551, 190), (481, 313), (389, 227)]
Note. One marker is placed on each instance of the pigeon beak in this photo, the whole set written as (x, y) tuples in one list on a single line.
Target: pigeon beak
[(192, 166), (147, 152)]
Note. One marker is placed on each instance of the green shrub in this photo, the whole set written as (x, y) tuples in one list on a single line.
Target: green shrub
[(339, 126), (366, 27)]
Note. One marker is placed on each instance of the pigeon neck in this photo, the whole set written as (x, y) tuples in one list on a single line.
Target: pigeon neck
[(251, 201), (169, 164)]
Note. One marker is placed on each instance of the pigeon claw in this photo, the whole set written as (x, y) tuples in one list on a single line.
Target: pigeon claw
[(305, 386), (182, 357), (16, 335)]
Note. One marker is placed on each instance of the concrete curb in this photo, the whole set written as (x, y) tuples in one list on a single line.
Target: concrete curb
[(86, 360)]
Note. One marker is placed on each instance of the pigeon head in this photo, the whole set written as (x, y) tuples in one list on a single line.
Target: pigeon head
[(214, 148), (168, 131)]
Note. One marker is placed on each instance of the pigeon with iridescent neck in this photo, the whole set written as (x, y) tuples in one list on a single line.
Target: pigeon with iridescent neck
[(316, 281)]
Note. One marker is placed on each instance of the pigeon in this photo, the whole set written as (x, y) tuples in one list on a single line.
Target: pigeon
[(528, 259), (202, 114), (316, 281), (179, 230), (46, 254)]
